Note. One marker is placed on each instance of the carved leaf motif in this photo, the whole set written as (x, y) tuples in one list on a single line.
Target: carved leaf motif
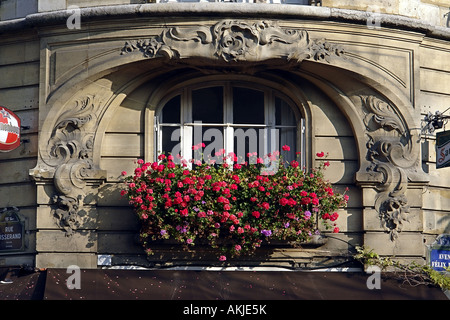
[(234, 40), (382, 114), (389, 156), (70, 152)]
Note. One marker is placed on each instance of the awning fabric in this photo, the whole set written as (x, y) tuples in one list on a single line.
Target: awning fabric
[(114, 284)]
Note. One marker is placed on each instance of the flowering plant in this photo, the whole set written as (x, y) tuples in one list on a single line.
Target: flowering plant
[(231, 206)]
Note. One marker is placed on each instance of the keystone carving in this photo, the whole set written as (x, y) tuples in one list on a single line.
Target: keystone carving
[(232, 41), (391, 156)]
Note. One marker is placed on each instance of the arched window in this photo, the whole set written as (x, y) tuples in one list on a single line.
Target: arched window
[(238, 117)]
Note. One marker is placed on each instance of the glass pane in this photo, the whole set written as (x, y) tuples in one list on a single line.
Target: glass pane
[(284, 115), (170, 140), (213, 140), (249, 140), (248, 106), (288, 137), (171, 111), (207, 105)]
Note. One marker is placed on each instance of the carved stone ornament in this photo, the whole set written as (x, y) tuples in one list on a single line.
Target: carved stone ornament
[(390, 152), (232, 41), (69, 156)]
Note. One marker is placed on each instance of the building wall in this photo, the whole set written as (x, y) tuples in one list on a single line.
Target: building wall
[(434, 96), (19, 92), (86, 102)]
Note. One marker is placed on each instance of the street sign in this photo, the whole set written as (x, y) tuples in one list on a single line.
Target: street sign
[(442, 149), (439, 253), (11, 231), (9, 130)]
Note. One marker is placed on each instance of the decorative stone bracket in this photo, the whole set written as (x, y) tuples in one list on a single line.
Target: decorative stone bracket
[(233, 41), (394, 160), (68, 162)]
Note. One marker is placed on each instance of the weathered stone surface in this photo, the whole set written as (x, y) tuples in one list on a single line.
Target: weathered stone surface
[(91, 112), (407, 244), (58, 241)]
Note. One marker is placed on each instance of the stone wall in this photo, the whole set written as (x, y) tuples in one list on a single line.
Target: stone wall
[(19, 92), (87, 96), (434, 96)]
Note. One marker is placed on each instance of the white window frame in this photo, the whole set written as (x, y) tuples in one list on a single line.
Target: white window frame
[(186, 125)]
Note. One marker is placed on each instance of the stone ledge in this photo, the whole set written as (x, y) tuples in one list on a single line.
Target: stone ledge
[(260, 11)]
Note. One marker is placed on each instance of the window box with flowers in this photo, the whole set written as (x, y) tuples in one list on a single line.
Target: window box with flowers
[(231, 207)]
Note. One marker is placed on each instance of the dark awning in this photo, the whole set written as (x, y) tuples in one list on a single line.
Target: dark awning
[(114, 284)]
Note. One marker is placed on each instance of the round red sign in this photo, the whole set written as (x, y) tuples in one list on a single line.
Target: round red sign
[(9, 130)]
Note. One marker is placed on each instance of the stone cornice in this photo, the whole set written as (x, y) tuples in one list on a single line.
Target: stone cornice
[(235, 10)]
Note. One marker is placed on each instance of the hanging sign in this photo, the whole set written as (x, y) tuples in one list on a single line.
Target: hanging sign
[(443, 149), (9, 130), (11, 231)]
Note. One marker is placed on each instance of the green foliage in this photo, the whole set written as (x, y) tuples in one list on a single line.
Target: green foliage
[(412, 273), (231, 206)]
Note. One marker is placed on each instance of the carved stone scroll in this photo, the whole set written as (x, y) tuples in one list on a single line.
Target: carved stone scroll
[(389, 150), (69, 161), (232, 41)]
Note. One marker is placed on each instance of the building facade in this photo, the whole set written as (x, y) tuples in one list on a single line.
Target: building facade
[(100, 84)]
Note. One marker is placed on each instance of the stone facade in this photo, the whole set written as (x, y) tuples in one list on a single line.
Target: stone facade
[(89, 96)]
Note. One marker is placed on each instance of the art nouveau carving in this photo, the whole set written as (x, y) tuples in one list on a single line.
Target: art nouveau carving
[(232, 41), (390, 152), (69, 157)]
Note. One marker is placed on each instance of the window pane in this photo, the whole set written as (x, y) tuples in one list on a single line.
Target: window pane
[(171, 111), (284, 115), (288, 137), (170, 140), (213, 139), (248, 106), (207, 105), (248, 140)]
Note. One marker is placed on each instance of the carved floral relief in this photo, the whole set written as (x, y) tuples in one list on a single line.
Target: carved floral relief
[(232, 41), (69, 156), (391, 155)]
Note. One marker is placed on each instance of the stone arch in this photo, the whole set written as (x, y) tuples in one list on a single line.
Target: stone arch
[(77, 113)]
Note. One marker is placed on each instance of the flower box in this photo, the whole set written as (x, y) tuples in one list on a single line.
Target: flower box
[(231, 207)]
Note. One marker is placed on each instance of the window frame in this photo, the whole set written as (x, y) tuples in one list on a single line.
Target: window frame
[(186, 124)]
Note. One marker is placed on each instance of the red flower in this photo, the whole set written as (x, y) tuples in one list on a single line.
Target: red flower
[(334, 216), (200, 200), (306, 200), (294, 164)]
